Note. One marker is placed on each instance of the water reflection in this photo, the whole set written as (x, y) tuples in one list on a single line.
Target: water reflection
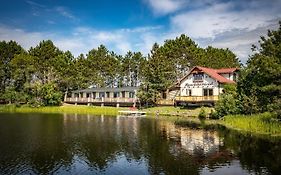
[(85, 144)]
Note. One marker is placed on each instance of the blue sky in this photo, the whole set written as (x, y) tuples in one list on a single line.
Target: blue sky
[(122, 25)]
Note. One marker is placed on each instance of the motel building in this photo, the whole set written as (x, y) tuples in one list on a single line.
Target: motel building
[(201, 86), (124, 96)]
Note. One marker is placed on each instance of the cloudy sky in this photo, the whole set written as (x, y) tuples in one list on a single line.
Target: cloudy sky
[(122, 25)]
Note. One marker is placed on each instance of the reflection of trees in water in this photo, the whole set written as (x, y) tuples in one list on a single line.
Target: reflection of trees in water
[(255, 154), (35, 145), (46, 143)]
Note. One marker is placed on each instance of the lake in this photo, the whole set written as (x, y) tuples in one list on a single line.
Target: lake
[(87, 144)]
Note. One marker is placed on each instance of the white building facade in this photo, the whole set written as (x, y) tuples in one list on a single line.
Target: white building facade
[(203, 85)]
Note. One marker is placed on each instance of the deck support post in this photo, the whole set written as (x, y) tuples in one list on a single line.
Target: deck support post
[(102, 102), (117, 102)]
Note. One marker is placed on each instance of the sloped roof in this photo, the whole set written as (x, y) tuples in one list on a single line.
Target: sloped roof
[(226, 70), (127, 89), (214, 73)]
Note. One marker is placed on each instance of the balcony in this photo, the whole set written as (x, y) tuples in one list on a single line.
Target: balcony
[(99, 100), (197, 98)]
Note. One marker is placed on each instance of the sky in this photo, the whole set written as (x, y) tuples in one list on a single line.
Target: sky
[(123, 25)]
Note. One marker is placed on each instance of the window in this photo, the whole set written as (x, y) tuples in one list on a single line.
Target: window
[(198, 77), (81, 94), (123, 94), (208, 92), (116, 94), (88, 95), (188, 92), (131, 94), (107, 94), (94, 94), (101, 94)]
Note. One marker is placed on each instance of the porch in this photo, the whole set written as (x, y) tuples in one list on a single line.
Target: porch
[(119, 101)]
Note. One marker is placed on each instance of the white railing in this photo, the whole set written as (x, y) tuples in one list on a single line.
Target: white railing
[(93, 100)]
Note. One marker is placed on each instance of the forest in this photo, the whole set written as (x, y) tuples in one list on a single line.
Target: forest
[(41, 75)]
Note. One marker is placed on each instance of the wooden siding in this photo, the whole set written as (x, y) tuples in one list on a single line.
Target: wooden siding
[(100, 100), (197, 98)]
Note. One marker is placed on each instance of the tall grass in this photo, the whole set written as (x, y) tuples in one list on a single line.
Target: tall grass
[(259, 124), (175, 111), (63, 109)]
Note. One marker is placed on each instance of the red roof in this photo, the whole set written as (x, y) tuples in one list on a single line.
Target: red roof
[(214, 73), (226, 70)]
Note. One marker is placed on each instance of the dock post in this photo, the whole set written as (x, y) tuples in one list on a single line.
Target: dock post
[(117, 104), (134, 105), (76, 99), (102, 102)]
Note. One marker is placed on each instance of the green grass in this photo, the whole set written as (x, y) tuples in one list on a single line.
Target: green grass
[(63, 109), (258, 124), (172, 111)]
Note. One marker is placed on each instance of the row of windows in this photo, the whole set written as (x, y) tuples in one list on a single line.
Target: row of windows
[(206, 92), (106, 94)]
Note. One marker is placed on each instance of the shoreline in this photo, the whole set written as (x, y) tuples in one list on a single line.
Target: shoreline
[(260, 124)]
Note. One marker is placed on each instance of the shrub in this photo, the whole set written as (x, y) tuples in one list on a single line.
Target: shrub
[(226, 105), (213, 115), (202, 113)]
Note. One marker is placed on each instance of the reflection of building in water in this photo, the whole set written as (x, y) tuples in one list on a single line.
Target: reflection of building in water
[(194, 141), (200, 141)]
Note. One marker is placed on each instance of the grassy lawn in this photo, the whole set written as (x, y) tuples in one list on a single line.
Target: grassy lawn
[(172, 111), (63, 109)]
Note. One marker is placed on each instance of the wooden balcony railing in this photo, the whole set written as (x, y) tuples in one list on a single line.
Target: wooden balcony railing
[(165, 102), (100, 100), (197, 98)]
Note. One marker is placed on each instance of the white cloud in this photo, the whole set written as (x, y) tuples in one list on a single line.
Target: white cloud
[(217, 19), (64, 12), (26, 39), (83, 39), (162, 7)]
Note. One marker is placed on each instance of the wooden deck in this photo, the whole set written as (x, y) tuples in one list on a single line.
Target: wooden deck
[(131, 113), (197, 98), (102, 101)]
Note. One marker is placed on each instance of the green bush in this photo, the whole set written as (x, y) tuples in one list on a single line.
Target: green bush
[(227, 104), (213, 115), (202, 114)]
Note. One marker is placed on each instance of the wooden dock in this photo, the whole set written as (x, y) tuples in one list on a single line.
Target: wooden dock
[(132, 113)]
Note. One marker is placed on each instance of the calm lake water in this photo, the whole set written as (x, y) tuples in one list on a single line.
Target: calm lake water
[(86, 144)]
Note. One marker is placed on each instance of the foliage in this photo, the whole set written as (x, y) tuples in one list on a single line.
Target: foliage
[(227, 103), (259, 87), (7, 52), (202, 114), (13, 96), (218, 58)]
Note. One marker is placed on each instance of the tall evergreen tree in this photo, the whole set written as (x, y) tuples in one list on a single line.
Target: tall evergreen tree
[(260, 83), (8, 50)]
